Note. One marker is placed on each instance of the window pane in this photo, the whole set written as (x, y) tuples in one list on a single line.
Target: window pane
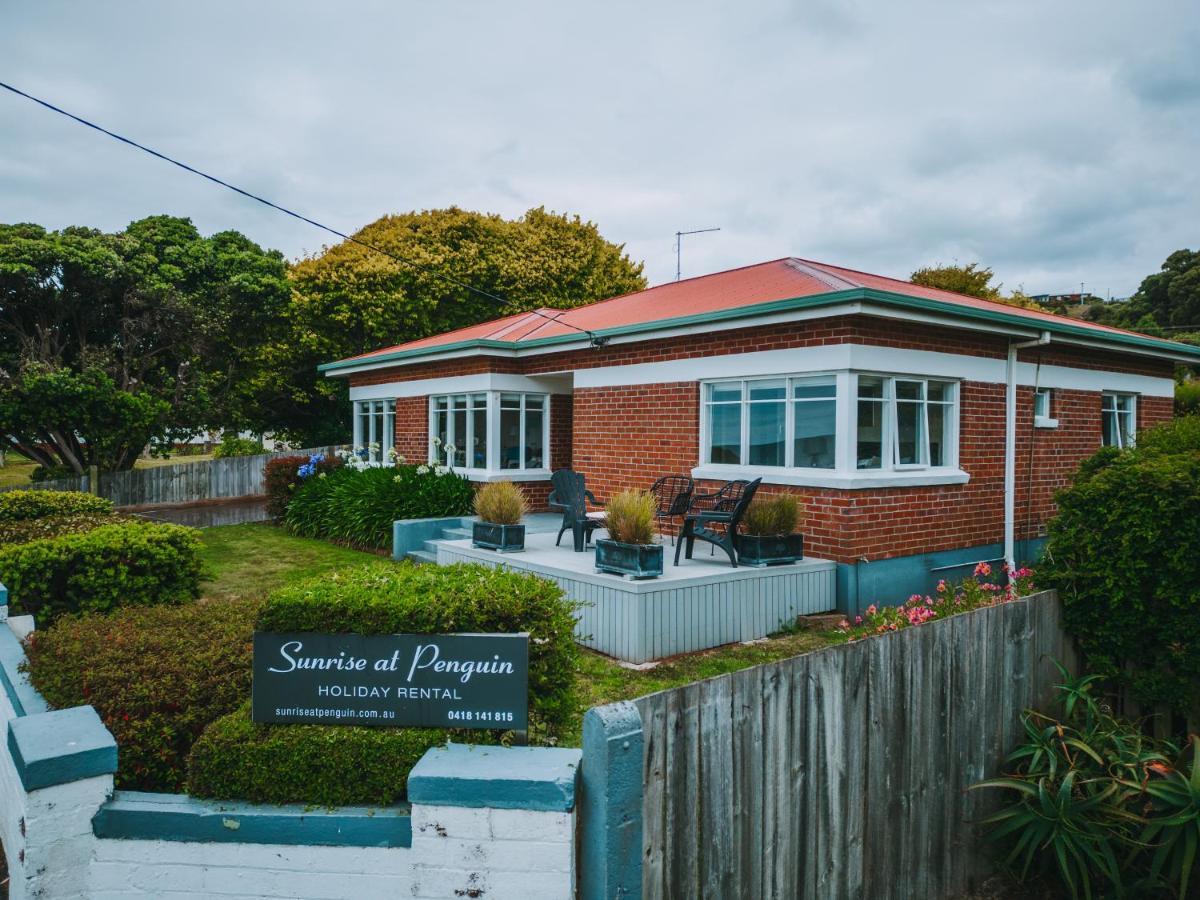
[(458, 432), (815, 437), (768, 390), (725, 433), (1108, 424), (534, 456), (440, 423), (870, 423), (725, 393), (364, 425), (767, 423), (479, 437), (910, 436), (510, 432), (939, 392), (939, 437), (910, 390), (1041, 403), (809, 390)]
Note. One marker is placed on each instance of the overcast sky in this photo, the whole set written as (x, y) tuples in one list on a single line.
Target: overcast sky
[(1057, 142)]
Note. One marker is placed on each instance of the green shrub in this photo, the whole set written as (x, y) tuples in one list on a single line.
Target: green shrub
[(318, 765), (130, 563), (18, 505), (772, 516), (501, 503), (1180, 435), (1093, 804), (156, 675), (280, 479), (630, 516), (1124, 553), (1187, 397), (23, 531), (359, 505), (232, 445), (236, 759)]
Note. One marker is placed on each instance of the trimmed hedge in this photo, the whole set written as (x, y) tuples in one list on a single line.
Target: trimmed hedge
[(16, 506), (1124, 553), (314, 764), (236, 759), (22, 531), (157, 676), (128, 563), (359, 505), (280, 479)]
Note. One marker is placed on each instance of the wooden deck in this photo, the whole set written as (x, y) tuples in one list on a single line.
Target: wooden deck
[(701, 603)]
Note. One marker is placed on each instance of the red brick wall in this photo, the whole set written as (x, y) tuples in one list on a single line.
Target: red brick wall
[(627, 436), (412, 428)]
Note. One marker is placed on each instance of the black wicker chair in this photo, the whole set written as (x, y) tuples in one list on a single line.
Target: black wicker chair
[(571, 496), (673, 494), (723, 508)]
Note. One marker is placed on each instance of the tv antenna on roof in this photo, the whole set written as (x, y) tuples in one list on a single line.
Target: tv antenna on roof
[(679, 240)]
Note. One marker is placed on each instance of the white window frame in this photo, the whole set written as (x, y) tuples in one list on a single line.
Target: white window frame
[(845, 473), (1105, 397), (492, 470), (1044, 417), (377, 445)]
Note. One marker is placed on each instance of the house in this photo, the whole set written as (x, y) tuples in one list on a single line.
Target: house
[(925, 430)]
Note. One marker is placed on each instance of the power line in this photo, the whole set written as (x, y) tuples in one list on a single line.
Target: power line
[(595, 339)]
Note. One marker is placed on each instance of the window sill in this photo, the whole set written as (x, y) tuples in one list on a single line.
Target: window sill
[(486, 475), (828, 478), (1044, 422)]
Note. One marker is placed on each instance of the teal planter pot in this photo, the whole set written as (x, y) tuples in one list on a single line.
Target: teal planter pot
[(502, 538), (634, 560), (769, 550)]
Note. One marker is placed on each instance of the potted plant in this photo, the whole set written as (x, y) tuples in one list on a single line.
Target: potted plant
[(501, 506), (630, 548), (768, 536)]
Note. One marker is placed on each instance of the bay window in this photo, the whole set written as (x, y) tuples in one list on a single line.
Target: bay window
[(490, 431), (1118, 420), (839, 427), (375, 428)]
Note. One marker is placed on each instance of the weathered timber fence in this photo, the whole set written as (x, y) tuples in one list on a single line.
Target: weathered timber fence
[(842, 773), (191, 482)]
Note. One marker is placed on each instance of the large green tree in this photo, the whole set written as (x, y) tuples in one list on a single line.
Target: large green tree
[(973, 279), (350, 299), (109, 342)]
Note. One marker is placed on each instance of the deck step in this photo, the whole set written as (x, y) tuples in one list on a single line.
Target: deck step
[(431, 547), (456, 534), (422, 556)]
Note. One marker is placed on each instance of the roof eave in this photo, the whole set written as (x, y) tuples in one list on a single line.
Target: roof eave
[(1015, 322)]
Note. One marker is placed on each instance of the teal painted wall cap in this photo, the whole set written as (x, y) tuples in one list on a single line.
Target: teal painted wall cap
[(134, 815), (537, 778), (3, 595), (21, 694), (61, 746)]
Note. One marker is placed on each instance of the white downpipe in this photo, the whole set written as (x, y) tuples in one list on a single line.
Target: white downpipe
[(1010, 445)]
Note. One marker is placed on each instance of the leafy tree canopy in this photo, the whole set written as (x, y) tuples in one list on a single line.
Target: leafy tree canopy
[(109, 342), (349, 299), (972, 279)]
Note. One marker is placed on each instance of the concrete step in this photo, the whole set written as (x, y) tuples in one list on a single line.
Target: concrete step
[(422, 556), (456, 534), (431, 547)]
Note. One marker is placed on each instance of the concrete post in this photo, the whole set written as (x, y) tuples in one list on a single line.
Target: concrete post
[(610, 858)]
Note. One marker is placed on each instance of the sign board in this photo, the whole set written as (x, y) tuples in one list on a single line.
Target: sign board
[(397, 680)]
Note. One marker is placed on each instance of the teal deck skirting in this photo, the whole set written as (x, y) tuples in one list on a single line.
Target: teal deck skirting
[(133, 815), (536, 778)]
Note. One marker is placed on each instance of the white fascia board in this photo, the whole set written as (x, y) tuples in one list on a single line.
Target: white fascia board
[(830, 478), (464, 384), (867, 358)]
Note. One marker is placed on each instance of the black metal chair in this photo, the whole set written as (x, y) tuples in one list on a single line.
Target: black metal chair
[(571, 496), (673, 494), (724, 507)]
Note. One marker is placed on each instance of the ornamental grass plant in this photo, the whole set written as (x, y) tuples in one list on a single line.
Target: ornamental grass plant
[(772, 516), (630, 516), (501, 503)]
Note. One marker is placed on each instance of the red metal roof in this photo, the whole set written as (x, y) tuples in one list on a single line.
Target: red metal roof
[(780, 279)]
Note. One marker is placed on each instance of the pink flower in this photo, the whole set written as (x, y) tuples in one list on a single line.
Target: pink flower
[(872, 609), (858, 620), (983, 569), (941, 586), (843, 624)]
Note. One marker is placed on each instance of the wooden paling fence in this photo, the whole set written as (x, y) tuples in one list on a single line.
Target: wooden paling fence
[(844, 772), (189, 482)]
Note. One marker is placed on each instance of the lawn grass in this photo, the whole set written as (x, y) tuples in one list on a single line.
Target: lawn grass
[(246, 560), (16, 470), (252, 560), (154, 462)]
